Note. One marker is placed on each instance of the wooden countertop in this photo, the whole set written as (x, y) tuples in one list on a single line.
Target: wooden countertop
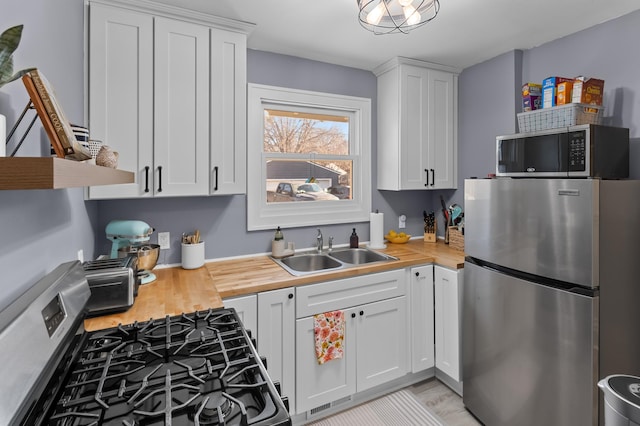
[(178, 290)]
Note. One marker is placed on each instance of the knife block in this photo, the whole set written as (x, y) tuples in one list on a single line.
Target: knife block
[(430, 237)]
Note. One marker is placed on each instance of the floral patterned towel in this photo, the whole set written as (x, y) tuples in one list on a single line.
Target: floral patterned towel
[(329, 333)]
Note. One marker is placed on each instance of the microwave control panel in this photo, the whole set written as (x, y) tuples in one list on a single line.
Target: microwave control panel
[(577, 151)]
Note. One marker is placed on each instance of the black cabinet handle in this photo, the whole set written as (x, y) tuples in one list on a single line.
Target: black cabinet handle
[(146, 178), (290, 296), (361, 313), (417, 274), (353, 315), (426, 172), (159, 178), (215, 173), (433, 177)]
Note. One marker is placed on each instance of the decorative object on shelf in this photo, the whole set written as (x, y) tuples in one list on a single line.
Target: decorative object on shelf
[(107, 157), (396, 16), (9, 41), (53, 118)]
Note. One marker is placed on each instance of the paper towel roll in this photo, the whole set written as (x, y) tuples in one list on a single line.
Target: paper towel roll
[(3, 136), (376, 231)]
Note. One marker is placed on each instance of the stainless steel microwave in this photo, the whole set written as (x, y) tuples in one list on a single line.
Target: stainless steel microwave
[(586, 150)]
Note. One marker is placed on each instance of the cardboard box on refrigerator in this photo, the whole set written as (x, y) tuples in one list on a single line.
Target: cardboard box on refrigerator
[(588, 91), (563, 92), (549, 90)]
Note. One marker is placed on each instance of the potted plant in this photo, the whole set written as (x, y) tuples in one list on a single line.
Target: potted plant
[(9, 41)]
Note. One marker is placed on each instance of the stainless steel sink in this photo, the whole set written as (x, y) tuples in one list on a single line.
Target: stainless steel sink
[(359, 256), (308, 263), (304, 263)]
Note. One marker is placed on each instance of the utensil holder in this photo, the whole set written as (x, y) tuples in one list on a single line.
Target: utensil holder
[(456, 238), (192, 255)]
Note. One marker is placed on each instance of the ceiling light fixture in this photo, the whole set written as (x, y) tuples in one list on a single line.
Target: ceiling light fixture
[(396, 16)]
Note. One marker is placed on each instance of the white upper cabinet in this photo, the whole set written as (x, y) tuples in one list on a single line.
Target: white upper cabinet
[(167, 91), (121, 94), (417, 125), (228, 165)]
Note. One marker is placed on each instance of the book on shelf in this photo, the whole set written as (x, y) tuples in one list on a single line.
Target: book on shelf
[(53, 119)]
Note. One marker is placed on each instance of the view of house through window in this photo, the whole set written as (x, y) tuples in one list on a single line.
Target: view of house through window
[(307, 155)]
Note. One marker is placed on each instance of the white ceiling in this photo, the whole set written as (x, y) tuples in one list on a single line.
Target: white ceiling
[(464, 33)]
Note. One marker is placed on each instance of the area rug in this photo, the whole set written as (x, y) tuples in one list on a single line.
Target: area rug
[(399, 409)]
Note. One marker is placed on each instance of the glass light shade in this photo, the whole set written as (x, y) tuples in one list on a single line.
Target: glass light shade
[(396, 16), (375, 15), (412, 15)]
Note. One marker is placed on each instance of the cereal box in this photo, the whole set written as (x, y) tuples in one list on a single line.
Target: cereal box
[(588, 91), (549, 90), (530, 103), (563, 95), (531, 89)]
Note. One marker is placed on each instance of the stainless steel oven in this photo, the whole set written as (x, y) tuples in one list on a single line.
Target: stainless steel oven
[(198, 368), (587, 150)]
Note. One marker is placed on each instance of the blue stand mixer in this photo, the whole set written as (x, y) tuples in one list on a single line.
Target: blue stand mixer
[(132, 237)]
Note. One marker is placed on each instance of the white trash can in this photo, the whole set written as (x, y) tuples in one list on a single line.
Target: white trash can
[(621, 400)]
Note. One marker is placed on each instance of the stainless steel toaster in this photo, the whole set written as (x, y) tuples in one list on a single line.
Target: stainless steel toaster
[(113, 283)]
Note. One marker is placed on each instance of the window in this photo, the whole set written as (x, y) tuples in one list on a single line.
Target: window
[(308, 158)]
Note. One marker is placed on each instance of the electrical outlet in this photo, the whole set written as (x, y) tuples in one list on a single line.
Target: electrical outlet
[(402, 221), (81, 255), (164, 240)]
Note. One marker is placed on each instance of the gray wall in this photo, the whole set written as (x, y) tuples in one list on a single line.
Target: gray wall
[(40, 229)]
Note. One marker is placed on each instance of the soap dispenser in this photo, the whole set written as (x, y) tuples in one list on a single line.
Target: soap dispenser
[(353, 241), (277, 245)]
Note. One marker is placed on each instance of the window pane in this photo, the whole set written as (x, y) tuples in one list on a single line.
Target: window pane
[(303, 132), (306, 180)]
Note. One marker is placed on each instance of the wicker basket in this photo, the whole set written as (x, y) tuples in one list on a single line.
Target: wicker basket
[(559, 116), (456, 238)]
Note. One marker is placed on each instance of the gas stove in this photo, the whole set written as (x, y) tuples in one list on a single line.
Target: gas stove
[(198, 368)]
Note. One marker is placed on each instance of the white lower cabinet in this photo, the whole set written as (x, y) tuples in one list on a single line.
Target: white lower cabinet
[(247, 309), (422, 321), (448, 300), (375, 343), (276, 338)]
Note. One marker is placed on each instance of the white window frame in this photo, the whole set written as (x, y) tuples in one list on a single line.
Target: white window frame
[(262, 215)]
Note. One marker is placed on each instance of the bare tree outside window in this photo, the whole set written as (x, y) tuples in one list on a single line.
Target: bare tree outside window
[(322, 140)]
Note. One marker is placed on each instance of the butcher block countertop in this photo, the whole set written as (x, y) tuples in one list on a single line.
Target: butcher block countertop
[(179, 290)]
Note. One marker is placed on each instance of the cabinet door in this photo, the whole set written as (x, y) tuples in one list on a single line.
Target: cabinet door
[(228, 113), (276, 334), (422, 323), (442, 147), (448, 293), (382, 337), (414, 127), (121, 94), (320, 384), (247, 309), (181, 90)]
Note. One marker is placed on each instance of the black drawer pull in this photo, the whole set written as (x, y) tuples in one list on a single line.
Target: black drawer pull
[(290, 296), (361, 313), (353, 315), (146, 178)]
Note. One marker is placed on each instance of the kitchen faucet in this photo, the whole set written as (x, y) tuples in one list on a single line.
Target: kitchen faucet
[(319, 241)]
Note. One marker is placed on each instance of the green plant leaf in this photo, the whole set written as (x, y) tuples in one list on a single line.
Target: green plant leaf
[(9, 41)]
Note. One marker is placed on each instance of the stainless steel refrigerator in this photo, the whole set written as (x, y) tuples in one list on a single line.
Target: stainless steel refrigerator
[(551, 299)]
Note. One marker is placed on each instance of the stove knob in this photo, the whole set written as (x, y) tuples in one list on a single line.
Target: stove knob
[(278, 387), (264, 361)]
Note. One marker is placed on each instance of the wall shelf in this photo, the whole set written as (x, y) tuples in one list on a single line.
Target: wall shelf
[(56, 173)]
